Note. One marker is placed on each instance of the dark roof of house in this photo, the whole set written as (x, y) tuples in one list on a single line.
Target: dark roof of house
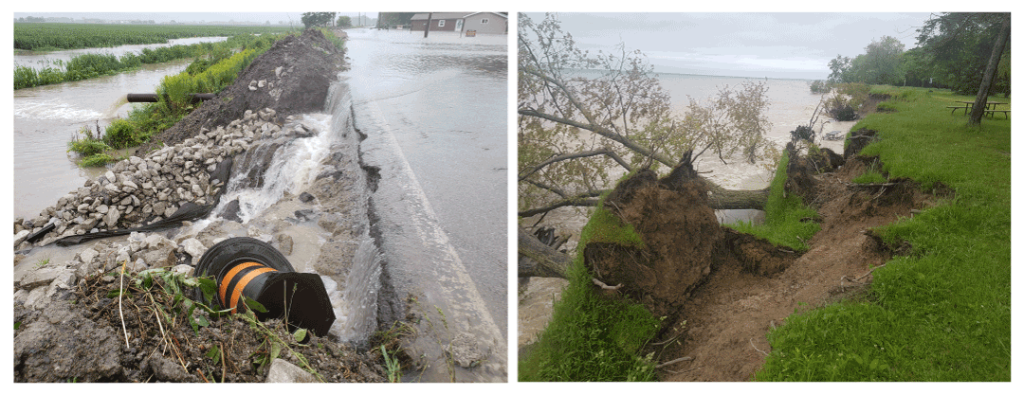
[(487, 12), (441, 15)]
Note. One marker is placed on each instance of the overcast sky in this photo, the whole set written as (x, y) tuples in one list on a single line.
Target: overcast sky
[(776, 45)]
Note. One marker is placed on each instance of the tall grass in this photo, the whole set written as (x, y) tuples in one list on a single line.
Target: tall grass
[(94, 65), (151, 118), (943, 312)]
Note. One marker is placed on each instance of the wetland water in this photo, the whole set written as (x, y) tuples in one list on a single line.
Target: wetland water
[(47, 117)]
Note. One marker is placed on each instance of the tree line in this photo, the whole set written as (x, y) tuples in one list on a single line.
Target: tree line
[(953, 50)]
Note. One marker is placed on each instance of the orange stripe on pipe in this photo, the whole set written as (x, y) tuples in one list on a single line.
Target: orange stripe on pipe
[(231, 274), (235, 293)]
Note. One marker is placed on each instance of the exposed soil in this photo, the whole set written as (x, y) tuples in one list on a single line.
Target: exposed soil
[(84, 340), (296, 73), (722, 325), (721, 291)]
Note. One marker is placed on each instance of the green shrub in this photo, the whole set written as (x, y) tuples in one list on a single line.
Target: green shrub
[(820, 87), (122, 134), (87, 147), (97, 160), (25, 77)]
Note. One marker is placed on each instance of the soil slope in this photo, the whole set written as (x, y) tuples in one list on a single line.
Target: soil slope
[(722, 326), (292, 77)]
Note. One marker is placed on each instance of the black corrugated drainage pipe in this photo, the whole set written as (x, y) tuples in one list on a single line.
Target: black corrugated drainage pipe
[(244, 266)]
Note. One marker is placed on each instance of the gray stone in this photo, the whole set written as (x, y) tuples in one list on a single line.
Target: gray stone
[(21, 236), (37, 299), (111, 219), (194, 247), (164, 369), (88, 255), (184, 269), (160, 257), (284, 243), (40, 276), (282, 371), (137, 266)]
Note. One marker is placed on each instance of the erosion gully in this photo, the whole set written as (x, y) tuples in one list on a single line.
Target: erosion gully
[(429, 117)]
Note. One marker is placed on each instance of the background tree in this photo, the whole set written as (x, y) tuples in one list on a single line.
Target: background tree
[(388, 19), (344, 21), (960, 45), (917, 68), (840, 67), (317, 19), (882, 61), (582, 116), (879, 64), (981, 101)]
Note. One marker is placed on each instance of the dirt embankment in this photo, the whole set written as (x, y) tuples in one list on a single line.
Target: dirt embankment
[(722, 291), (292, 77), (70, 323)]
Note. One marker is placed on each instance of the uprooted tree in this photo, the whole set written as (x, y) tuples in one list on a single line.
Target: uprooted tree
[(584, 119)]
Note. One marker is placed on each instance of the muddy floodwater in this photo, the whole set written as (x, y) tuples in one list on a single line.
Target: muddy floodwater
[(791, 105), (47, 117)]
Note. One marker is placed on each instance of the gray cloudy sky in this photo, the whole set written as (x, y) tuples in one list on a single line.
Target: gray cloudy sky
[(777, 45)]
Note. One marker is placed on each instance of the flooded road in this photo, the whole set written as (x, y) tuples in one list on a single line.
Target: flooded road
[(434, 111)]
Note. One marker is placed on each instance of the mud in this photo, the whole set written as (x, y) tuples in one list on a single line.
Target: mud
[(721, 291), (723, 324), (81, 338)]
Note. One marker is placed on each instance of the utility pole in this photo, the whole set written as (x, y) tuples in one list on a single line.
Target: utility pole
[(426, 29)]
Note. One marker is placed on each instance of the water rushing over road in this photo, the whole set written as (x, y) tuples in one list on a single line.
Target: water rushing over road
[(434, 111)]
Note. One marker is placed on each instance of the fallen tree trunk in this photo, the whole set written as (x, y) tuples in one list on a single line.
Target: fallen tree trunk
[(537, 259)]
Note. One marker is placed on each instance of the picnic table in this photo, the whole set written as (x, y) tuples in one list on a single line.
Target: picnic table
[(990, 107)]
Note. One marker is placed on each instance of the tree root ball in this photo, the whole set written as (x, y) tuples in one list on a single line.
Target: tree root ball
[(680, 234)]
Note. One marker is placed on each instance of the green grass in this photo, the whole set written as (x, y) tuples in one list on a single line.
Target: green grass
[(590, 337), (786, 217), (943, 312)]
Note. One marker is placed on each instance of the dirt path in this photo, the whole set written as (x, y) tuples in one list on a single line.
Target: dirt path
[(728, 317)]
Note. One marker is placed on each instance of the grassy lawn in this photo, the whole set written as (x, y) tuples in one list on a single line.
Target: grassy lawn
[(942, 313)]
